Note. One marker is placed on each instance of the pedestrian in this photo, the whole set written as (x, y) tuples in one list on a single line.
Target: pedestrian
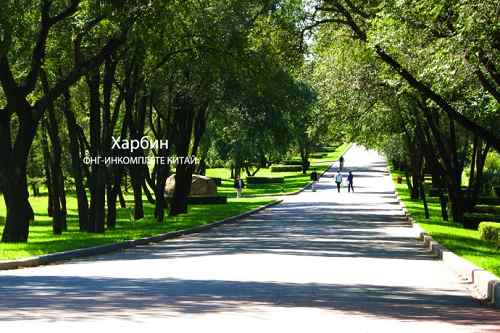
[(341, 162), (338, 180), (238, 185), (349, 182), (314, 178)]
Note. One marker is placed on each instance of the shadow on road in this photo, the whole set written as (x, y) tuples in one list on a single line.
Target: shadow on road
[(78, 298)]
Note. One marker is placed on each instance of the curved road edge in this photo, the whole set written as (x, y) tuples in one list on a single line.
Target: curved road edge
[(484, 285), (56, 257)]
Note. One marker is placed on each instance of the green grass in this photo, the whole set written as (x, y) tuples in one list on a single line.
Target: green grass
[(293, 180), (464, 242), (42, 241)]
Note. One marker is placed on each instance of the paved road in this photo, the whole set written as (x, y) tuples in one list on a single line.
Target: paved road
[(321, 262)]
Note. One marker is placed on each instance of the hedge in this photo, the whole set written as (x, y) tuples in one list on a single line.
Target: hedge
[(496, 189), (489, 201), (285, 168), (265, 180), (217, 180), (489, 231), (292, 162), (330, 149), (318, 155), (474, 219)]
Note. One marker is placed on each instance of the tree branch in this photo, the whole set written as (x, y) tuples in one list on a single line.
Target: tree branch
[(38, 55)]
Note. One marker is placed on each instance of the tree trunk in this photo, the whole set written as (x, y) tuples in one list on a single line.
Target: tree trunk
[(305, 160), (147, 192), (97, 180), (184, 118), (137, 181), (19, 211), (123, 203), (423, 197), (48, 171), (111, 194), (76, 164), (59, 202), (181, 191), (162, 173)]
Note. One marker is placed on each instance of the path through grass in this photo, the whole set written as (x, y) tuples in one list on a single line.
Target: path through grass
[(42, 241)]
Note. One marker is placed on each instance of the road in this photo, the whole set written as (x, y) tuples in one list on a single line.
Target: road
[(319, 262)]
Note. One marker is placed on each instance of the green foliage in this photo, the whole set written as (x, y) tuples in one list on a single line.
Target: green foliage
[(285, 168), (264, 180), (489, 231), (42, 241), (463, 242)]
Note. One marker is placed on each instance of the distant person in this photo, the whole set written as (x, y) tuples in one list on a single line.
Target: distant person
[(341, 162), (314, 178), (349, 182), (338, 180), (238, 185)]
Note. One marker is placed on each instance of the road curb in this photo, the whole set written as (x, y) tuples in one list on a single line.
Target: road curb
[(103, 249), (484, 286)]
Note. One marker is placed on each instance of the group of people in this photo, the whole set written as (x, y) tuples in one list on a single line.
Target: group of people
[(338, 178), (238, 182)]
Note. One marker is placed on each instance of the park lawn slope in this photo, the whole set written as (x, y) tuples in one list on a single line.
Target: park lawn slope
[(463, 242), (293, 180), (42, 241)]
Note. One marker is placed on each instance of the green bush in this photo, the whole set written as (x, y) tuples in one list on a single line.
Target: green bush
[(489, 231), (265, 180), (496, 189), (489, 180), (330, 149), (318, 155), (217, 180), (286, 168), (434, 192), (292, 162), (487, 209), (493, 201), (474, 219)]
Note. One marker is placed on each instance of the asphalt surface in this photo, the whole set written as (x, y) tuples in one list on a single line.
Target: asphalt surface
[(319, 262)]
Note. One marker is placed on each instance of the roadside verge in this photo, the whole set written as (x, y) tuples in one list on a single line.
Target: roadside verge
[(483, 285), (103, 249)]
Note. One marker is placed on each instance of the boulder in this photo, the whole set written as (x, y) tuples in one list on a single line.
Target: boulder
[(201, 186)]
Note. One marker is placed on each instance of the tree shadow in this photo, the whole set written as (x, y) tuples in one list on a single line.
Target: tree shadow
[(84, 298)]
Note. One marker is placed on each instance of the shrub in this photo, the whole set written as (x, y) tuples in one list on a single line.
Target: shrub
[(434, 192), (217, 180), (489, 180), (474, 219), (292, 162), (330, 149), (487, 209), (286, 168), (489, 231), (496, 189), (265, 180), (493, 201)]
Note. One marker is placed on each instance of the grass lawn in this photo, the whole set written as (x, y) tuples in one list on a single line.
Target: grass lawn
[(293, 180), (465, 243), (42, 241)]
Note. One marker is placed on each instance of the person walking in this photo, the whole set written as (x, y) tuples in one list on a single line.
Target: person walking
[(341, 162), (338, 180), (238, 185), (349, 182), (314, 178)]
